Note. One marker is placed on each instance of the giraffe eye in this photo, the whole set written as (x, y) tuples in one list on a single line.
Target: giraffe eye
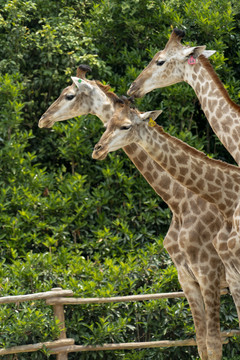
[(69, 96), (125, 127), (160, 62)]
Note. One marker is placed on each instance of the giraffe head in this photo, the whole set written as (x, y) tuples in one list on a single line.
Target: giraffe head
[(168, 66), (67, 104), (123, 129), (81, 98)]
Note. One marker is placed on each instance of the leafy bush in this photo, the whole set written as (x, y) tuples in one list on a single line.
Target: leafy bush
[(67, 220)]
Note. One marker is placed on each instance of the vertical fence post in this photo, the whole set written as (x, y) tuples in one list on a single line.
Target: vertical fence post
[(58, 311)]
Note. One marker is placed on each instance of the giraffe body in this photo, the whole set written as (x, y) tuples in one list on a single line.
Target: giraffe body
[(170, 66), (195, 222)]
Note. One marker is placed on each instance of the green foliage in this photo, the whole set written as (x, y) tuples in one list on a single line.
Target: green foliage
[(26, 324), (96, 228)]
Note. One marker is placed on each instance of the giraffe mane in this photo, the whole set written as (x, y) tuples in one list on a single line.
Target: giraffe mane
[(195, 152), (110, 94), (207, 65)]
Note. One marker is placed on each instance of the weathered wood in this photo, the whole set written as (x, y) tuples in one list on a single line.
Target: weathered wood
[(230, 333), (126, 346), (139, 345), (60, 293), (77, 301), (36, 296), (36, 347), (59, 314), (224, 291), (58, 310), (67, 345), (62, 356)]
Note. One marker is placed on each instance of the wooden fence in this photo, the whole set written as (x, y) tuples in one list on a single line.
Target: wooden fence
[(61, 347)]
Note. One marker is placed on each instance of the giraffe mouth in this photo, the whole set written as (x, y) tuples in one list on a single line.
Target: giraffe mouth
[(138, 88), (97, 156), (135, 91), (99, 152), (43, 123)]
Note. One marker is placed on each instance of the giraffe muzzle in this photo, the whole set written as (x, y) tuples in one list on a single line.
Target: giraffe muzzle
[(45, 123), (100, 152), (134, 91)]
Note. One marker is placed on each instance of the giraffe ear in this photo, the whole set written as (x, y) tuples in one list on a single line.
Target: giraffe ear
[(195, 51), (81, 84), (208, 53), (150, 114)]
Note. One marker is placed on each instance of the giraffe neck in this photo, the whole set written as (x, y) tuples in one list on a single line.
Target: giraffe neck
[(101, 105), (163, 184), (213, 180), (222, 113)]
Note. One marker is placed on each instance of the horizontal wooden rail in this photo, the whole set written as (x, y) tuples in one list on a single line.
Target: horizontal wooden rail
[(57, 294), (67, 345), (101, 300), (124, 346), (139, 345), (35, 347), (37, 296)]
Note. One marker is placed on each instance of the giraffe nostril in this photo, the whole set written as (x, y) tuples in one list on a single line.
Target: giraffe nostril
[(97, 147)]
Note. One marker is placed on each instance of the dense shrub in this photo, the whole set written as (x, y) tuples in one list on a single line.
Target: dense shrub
[(67, 220)]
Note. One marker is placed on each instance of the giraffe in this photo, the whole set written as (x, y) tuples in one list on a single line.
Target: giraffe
[(177, 63), (215, 181), (194, 220)]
